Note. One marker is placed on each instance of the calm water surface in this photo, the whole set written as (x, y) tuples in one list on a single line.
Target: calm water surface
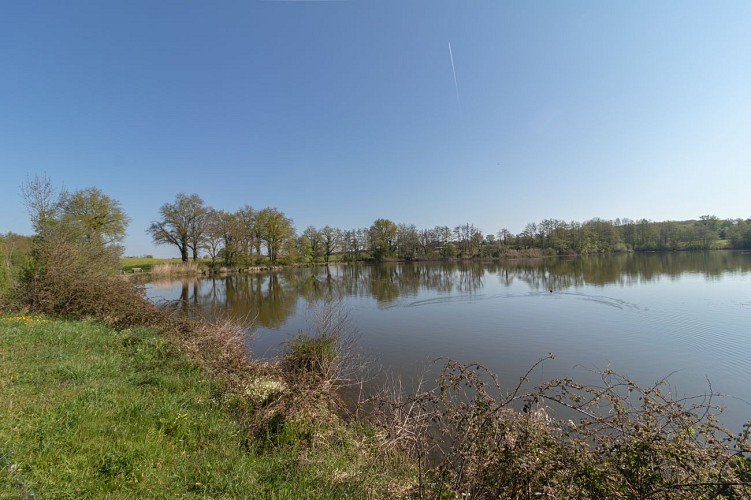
[(687, 315)]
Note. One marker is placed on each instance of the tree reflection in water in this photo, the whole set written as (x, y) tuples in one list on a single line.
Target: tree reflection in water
[(268, 299)]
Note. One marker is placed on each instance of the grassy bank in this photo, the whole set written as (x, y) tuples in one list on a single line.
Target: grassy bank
[(107, 407), (90, 411)]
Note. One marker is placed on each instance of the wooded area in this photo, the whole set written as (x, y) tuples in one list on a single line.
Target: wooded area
[(250, 236)]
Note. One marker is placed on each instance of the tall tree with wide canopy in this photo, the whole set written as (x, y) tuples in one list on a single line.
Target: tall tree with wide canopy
[(382, 236), (98, 218), (182, 224), (86, 215), (314, 242), (276, 230)]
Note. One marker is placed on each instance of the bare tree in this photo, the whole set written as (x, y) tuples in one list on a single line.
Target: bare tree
[(331, 241), (42, 201), (214, 236), (182, 224)]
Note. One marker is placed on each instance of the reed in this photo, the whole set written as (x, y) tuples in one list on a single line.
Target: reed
[(181, 269)]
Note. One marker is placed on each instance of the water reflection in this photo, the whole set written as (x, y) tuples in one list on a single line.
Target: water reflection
[(623, 269), (269, 299)]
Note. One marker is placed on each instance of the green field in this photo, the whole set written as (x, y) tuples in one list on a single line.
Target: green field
[(89, 411)]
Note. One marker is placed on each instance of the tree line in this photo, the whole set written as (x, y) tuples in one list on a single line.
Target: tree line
[(251, 236)]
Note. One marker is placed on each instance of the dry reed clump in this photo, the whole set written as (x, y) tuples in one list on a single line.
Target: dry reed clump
[(181, 269), (328, 356), (469, 438), (313, 370), (248, 386), (264, 393), (221, 347)]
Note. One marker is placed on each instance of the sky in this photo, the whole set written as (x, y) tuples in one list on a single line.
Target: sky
[(341, 112)]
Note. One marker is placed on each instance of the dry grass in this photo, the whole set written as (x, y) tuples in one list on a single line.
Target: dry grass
[(178, 269)]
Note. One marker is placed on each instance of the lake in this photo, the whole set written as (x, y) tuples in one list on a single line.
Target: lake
[(646, 315)]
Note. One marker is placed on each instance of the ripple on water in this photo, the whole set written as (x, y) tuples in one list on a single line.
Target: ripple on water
[(448, 299)]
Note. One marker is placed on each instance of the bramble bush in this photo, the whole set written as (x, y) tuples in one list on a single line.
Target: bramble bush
[(471, 438)]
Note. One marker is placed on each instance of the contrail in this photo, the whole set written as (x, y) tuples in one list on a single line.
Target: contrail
[(453, 71)]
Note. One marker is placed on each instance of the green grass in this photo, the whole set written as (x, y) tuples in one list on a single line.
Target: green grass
[(88, 411), (722, 244)]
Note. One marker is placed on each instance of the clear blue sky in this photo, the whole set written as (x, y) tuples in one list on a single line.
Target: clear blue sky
[(341, 112)]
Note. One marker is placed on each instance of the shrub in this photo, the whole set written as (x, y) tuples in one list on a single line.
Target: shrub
[(219, 345), (471, 438), (75, 280)]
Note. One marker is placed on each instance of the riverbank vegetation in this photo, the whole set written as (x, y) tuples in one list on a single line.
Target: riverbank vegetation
[(147, 263), (249, 237), (105, 394), (97, 411), (91, 411)]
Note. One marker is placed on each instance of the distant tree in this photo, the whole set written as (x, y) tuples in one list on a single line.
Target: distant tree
[(577, 237), (213, 239), (475, 238), (43, 202), (628, 232), (302, 248), (603, 235), (504, 235), (407, 240), (527, 236), (181, 224), (443, 238), (276, 230), (331, 241), (426, 242), (646, 235), (87, 215), (469, 238), (739, 233), (668, 232), (231, 229), (382, 236), (706, 230), (15, 251), (95, 215), (355, 242), (247, 233), (314, 243), (348, 245), (197, 231), (743, 239)]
